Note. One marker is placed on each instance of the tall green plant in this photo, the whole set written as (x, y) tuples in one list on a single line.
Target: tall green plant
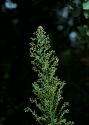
[(48, 88)]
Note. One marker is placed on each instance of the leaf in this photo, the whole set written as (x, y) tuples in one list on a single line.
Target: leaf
[(82, 30), (87, 32), (76, 12), (86, 5), (86, 14)]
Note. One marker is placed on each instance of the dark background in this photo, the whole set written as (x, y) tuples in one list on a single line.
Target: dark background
[(16, 76)]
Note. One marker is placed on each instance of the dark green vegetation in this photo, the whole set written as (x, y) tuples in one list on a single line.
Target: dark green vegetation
[(69, 38)]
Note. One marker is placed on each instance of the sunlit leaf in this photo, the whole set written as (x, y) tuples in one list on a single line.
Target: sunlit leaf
[(86, 14), (86, 5)]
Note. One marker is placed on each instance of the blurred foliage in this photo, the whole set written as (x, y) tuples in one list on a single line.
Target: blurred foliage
[(67, 23)]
